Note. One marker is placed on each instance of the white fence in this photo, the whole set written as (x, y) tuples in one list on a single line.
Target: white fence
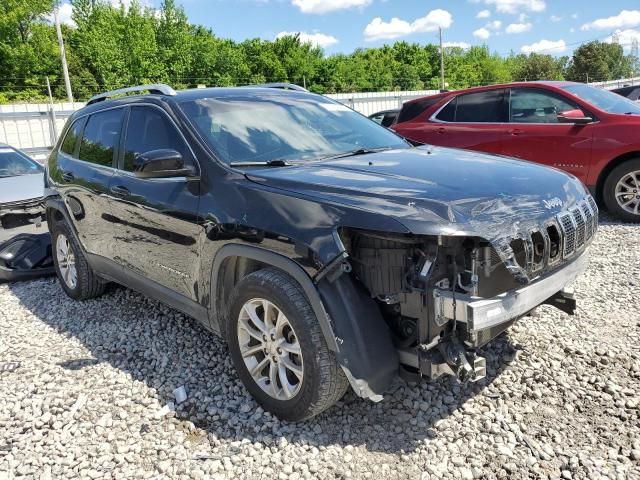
[(34, 127)]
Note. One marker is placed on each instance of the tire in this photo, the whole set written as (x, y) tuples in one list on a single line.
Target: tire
[(87, 284), (625, 171), (323, 382)]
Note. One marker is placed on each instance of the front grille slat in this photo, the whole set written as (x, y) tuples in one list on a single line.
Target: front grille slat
[(580, 227), (569, 230)]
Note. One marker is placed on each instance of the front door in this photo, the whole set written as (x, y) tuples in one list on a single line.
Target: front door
[(535, 134), (156, 218)]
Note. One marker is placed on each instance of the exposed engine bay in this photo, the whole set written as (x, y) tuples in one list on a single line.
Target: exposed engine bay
[(444, 297)]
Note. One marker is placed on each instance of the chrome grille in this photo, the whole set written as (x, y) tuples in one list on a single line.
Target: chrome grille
[(578, 225)]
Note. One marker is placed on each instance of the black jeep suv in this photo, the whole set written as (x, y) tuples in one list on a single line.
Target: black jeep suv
[(326, 250)]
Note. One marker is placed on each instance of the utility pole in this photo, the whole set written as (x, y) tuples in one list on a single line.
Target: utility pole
[(63, 56), (441, 61)]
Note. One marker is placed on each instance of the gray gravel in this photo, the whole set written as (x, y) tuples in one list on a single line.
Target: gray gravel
[(82, 387)]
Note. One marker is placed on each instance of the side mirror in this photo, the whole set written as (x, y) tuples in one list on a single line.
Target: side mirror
[(161, 163), (576, 116)]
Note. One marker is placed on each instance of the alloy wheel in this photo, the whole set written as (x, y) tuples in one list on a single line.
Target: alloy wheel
[(66, 261), (628, 192), (270, 349)]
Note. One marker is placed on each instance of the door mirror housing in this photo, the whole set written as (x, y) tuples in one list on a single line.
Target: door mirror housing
[(576, 116), (163, 163)]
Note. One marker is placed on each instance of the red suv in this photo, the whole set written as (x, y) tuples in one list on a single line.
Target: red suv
[(592, 133)]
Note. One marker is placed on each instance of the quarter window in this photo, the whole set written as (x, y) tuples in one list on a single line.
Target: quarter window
[(528, 105), (150, 129), (71, 138), (101, 137)]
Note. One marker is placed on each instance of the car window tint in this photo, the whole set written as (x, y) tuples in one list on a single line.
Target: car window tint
[(411, 110), (388, 119), (69, 143), (481, 107), (448, 113), (101, 136), (528, 105), (150, 129)]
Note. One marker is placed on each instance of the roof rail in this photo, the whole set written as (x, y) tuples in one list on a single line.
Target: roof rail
[(282, 86), (157, 88)]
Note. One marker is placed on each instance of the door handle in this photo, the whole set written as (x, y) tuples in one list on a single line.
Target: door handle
[(516, 131), (120, 190), (68, 177), (441, 130)]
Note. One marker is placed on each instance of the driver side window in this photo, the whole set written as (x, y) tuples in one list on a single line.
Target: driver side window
[(528, 105), (150, 129)]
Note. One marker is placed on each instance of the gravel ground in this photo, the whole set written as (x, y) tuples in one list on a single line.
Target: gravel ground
[(82, 386)]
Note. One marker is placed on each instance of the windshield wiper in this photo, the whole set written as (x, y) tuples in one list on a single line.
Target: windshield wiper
[(354, 153), (278, 162)]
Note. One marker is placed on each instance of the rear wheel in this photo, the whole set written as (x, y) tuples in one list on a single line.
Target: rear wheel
[(278, 348), (621, 193), (74, 273)]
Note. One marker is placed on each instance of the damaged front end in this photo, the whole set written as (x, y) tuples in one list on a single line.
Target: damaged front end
[(442, 297), (25, 243)]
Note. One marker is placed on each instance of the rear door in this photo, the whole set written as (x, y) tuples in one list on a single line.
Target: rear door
[(156, 218), (474, 121), (85, 167), (535, 133)]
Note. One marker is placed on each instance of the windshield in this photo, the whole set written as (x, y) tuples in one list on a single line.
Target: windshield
[(13, 163), (269, 127), (604, 99)]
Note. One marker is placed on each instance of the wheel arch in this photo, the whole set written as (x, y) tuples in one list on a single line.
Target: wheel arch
[(619, 160), (233, 262), (349, 319)]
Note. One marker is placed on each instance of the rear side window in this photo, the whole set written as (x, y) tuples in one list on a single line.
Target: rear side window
[(481, 107), (413, 109), (101, 137), (448, 113), (150, 129), (71, 138)]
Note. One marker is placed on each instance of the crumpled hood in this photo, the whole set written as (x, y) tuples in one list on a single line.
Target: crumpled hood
[(21, 188), (460, 191)]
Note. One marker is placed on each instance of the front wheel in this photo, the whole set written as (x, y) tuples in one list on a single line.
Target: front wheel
[(621, 192), (278, 348)]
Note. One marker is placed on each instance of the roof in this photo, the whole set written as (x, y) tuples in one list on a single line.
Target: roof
[(549, 83)]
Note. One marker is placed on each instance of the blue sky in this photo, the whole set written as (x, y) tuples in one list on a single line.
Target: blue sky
[(545, 26)]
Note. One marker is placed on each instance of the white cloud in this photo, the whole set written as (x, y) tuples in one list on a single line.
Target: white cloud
[(324, 6), (518, 27), (522, 18), (574, 15), (515, 6), (463, 45), (572, 30), (555, 18), (483, 14), (379, 29), (545, 46), (625, 19), (482, 34), (64, 14), (495, 25), (316, 39), (625, 37)]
